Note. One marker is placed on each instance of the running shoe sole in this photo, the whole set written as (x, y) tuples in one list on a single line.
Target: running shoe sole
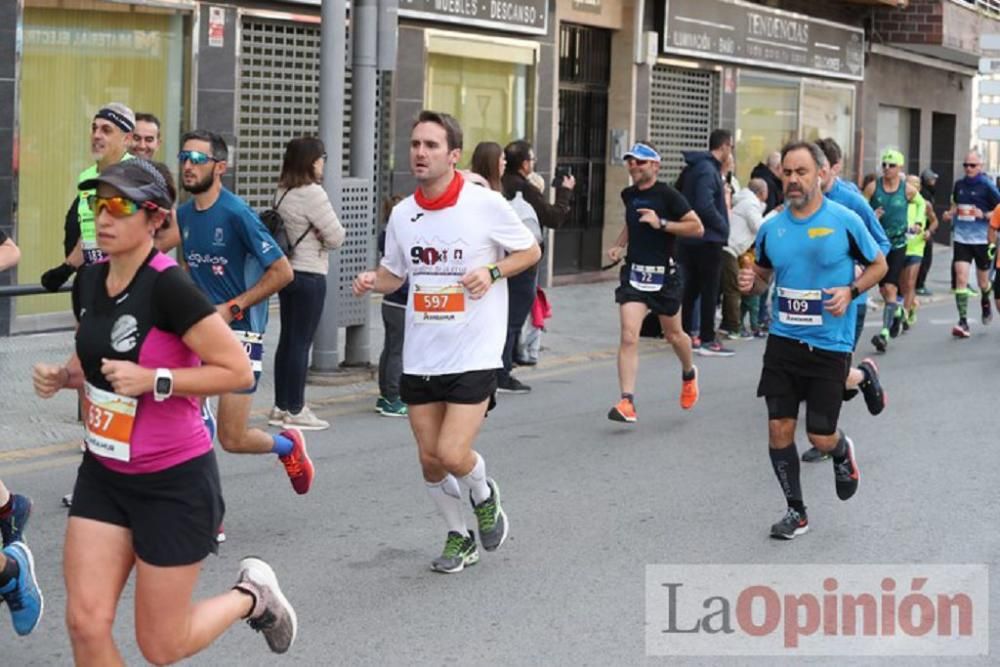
[(879, 343), (467, 561), (801, 530), (616, 416), (959, 332), (264, 575), (703, 352)]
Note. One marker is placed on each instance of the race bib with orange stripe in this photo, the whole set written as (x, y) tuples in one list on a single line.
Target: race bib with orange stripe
[(439, 305), (108, 419)]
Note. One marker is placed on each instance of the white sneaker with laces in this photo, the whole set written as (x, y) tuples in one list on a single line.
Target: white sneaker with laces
[(277, 417), (305, 420)]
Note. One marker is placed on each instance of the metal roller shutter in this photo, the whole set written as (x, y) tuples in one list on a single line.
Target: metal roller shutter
[(684, 109)]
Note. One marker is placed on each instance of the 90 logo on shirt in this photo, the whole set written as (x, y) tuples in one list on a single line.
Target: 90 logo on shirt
[(431, 256)]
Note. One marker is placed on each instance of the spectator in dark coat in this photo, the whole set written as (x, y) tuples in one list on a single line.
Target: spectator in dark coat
[(770, 173), (701, 259)]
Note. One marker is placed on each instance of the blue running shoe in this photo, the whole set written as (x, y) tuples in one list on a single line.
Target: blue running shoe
[(13, 526), (22, 595), (208, 417)]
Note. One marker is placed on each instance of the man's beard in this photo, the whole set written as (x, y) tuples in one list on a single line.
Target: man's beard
[(200, 186), (798, 199)]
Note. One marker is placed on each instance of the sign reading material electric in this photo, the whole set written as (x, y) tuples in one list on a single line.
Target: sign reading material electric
[(736, 31), (527, 16)]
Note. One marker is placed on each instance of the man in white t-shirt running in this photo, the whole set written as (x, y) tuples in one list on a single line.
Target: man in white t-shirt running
[(450, 241)]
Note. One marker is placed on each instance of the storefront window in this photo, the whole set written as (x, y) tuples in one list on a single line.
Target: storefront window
[(767, 118), (74, 62), (828, 111), (487, 88)]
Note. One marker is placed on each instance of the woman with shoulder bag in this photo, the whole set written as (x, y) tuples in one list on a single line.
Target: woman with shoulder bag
[(313, 230)]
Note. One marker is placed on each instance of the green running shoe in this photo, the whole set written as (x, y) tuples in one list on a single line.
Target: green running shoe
[(394, 408), (492, 519), (458, 552)]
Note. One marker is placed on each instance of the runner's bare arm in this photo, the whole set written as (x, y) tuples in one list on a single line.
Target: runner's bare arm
[(478, 281), (872, 274), (519, 261), (689, 225), (50, 378), (277, 276), (224, 366), (932, 221), (381, 280)]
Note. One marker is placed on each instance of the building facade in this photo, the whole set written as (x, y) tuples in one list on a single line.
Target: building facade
[(580, 79)]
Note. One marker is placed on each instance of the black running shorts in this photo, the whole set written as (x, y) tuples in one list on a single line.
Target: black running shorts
[(971, 252), (794, 372), (174, 514), (896, 259), (667, 301), (467, 388)]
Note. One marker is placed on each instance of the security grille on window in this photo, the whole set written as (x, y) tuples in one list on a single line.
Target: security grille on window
[(684, 109), (279, 101)]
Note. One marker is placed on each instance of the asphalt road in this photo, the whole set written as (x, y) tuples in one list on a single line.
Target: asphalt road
[(591, 504)]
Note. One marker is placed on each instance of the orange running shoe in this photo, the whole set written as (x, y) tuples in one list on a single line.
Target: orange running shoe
[(624, 411), (297, 464), (689, 391)]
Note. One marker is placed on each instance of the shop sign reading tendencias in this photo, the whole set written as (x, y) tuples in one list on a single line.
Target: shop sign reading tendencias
[(736, 31)]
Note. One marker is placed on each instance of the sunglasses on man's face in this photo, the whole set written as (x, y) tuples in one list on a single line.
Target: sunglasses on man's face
[(970, 165), (886, 165), (195, 157), (118, 207)]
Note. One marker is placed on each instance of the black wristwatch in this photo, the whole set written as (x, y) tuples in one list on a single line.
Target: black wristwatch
[(235, 310), (855, 292), (495, 274)]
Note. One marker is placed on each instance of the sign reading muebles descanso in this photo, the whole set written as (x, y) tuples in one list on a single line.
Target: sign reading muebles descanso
[(527, 16), (735, 31)]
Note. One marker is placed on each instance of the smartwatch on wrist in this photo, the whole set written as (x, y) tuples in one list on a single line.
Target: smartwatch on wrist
[(855, 292), (235, 310), (495, 274), (163, 385)]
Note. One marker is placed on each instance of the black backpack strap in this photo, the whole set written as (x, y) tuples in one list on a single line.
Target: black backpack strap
[(281, 199), (299, 240)]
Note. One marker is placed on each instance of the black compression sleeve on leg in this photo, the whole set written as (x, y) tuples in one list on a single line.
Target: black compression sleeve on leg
[(785, 462)]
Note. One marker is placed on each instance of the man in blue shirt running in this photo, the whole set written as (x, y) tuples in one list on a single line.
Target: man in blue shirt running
[(811, 248), (972, 202), (238, 264), (865, 376)]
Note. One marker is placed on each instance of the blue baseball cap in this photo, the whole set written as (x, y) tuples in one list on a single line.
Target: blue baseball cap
[(642, 152)]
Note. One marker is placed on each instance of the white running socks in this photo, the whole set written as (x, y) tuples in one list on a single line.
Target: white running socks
[(447, 497), (475, 481)]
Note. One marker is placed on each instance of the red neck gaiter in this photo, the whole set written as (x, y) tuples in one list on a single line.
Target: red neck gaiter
[(447, 198)]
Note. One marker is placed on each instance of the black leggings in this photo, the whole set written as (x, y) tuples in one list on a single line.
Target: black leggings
[(301, 307), (702, 265)]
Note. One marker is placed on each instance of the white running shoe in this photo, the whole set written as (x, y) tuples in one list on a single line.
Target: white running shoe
[(271, 613), (277, 417), (305, 420)]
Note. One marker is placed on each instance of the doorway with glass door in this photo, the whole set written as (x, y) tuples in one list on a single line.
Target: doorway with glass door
[(584, 76)]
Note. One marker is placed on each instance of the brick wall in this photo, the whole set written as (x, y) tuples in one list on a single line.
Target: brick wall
[(922, 22)]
